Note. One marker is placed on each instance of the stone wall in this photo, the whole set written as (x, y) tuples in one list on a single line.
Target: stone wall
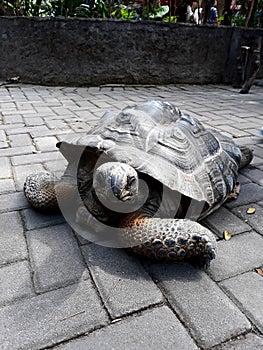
[(94, 52)]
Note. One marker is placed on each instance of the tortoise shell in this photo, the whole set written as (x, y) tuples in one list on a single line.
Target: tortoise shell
[(157, 139)]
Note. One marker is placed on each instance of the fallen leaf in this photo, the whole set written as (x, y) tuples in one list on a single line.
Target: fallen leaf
[(227, 235), (36, 152), (260, 271), (234, 194), (251, 210), (236, 136)]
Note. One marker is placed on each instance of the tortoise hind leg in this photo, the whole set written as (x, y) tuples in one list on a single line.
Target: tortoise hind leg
[(43, 190), (170, 239), (247, 156), (39, 190)]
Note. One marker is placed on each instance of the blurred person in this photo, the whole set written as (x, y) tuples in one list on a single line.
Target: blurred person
[(198, 15), (181, 11), (2, 9), (190, 11), (213, 17)]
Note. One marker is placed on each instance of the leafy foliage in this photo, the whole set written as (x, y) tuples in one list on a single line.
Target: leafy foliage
[(122, 9), (248, 14), (84, 8), (93, 9)]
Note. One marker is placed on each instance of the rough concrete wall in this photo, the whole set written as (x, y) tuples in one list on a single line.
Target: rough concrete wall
[(94, 52), (241, 37), (91, 52)]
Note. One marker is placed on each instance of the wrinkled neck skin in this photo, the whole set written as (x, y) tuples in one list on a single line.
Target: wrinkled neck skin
[(161, 202), (113, 218)]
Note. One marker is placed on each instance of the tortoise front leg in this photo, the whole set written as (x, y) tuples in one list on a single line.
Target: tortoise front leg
[(169, 239), (94, 230)]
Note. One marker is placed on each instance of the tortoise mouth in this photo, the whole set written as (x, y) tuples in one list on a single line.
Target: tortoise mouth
[(125, 196)]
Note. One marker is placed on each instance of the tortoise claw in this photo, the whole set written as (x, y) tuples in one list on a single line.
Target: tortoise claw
[(209, 259)]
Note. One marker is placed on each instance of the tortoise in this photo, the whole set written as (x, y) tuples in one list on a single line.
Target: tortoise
[(144, 177)]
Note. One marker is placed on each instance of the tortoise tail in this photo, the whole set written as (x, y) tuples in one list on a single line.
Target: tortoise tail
[(247, 156)]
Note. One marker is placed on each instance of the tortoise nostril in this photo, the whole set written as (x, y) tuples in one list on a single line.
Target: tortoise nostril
[(116, 191)]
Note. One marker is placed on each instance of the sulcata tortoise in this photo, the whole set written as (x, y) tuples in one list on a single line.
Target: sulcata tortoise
[(142, 178)]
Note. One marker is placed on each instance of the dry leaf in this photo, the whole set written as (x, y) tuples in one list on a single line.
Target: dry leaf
[(251, 210), (227, 235), (260, 271), (234, 194), (36, 152)]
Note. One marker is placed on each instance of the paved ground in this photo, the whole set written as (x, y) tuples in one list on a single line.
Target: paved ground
[(58, 291)]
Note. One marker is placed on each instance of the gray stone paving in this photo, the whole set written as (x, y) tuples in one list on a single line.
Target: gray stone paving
[(140, 332), (249, 301), (58, 291), (55, 257), (133, 287), (200, 304)]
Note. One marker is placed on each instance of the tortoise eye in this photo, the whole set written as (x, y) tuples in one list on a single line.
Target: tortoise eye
[(130, 180)]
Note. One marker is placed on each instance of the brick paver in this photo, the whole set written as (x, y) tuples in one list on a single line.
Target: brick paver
[(208, 313), (255, 220), (12, 201), (58, 291), (250, 193), (55, 258), (242, 253), (121, 295), (33, 219), (13, 244), (52, 317), (248, 342), (230, 223), (149, 331), (249, 300), (15, 282)]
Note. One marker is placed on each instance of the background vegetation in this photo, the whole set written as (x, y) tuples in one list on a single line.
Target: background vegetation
[(246, 13)]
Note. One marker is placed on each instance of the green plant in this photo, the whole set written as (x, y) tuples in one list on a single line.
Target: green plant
[(32, 7), (171, 19), (159, 12), (125, 12), (93, 8), (238, 20)]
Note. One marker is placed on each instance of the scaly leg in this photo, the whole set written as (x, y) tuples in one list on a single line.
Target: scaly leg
[(44, 192), (169, 239), (160, 239), (40, 192)]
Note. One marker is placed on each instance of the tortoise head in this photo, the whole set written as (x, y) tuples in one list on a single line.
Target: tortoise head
[(116, 180)]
